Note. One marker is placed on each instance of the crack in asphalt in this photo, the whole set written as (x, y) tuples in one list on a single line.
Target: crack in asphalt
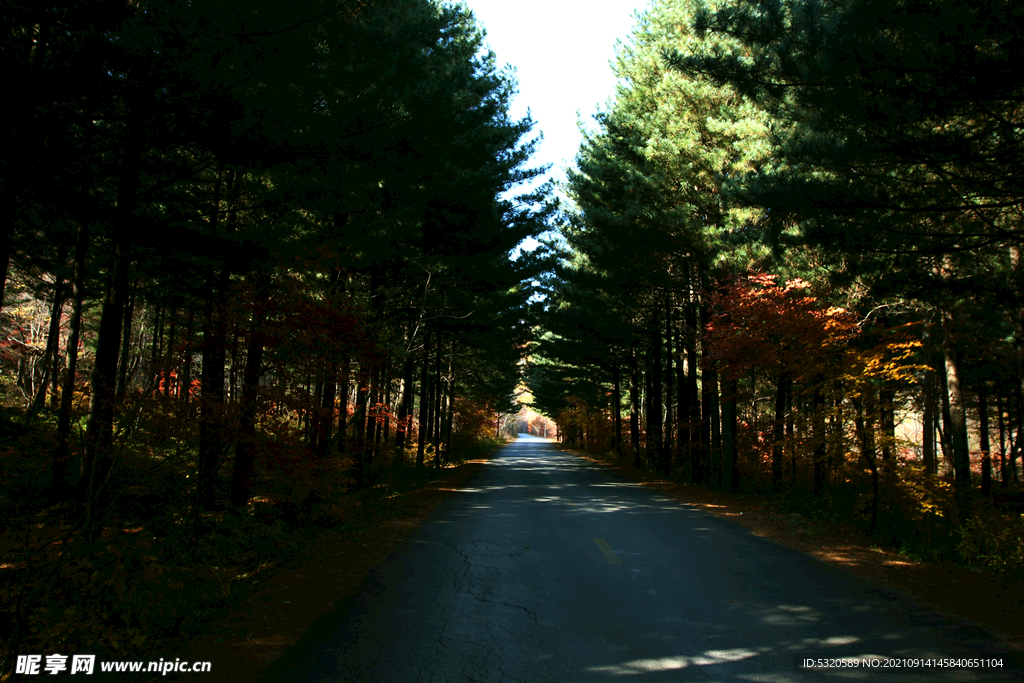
[(475, 625)]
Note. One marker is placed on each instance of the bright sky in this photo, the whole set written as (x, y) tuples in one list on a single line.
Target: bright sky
[(561, 51)]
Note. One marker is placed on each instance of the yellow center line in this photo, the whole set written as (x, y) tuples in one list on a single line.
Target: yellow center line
[(612, 557)]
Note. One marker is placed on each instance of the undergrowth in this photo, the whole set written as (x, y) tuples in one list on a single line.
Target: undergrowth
[(163, 570)]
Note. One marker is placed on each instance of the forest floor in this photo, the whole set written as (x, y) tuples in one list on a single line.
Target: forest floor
[(253, 635), (988, 599)]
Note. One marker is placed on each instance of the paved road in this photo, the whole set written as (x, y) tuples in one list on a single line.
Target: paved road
[(548, 568)]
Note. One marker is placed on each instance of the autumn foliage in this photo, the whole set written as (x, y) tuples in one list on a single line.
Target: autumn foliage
[(778, 329)]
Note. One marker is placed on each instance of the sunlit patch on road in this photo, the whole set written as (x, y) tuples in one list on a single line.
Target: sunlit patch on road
[(646, 666), (840, 640), (792, 615)]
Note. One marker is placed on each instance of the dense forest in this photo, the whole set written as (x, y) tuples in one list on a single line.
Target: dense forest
[(791, 264), (257, 261), (253, 257)]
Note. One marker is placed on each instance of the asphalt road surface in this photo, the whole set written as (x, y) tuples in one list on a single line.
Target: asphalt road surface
[(549, 568)]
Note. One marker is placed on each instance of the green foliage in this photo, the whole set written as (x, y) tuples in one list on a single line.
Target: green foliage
[(272, 219), (648, 181), (645, 231), (891, 145), (995, 542), (864, 150)]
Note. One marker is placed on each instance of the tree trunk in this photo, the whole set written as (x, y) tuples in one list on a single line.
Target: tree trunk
[(669, 361), (438, 394), (930, 410), (617, 404), (694, 445), (711, 377), (327, 401), (359, 425), (887, 413), (99, 431), (682, 405), (656, 443), (421, 441), (836, 429), (946, 428), (385, 426), (98, 458), (450, 412), (708, 400), (343, 392), (1015, 445), (958, 420), (730, 472), (373, 415), (170, 376), (154, 354), (404, 408), (232, 367), (645, 399), (983, 433), (55, 356), (867, 451), (5, 253), (212, 441), (428, 393), (778, 434), (126, 345), (316, 416), (51, 356), (1003, 473), (214, 357), (634, 405), (245, 449), (60, 456), (185, 385), (820, 473), (790, 440)]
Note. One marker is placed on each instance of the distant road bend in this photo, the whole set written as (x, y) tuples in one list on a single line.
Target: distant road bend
[(548, 568)]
